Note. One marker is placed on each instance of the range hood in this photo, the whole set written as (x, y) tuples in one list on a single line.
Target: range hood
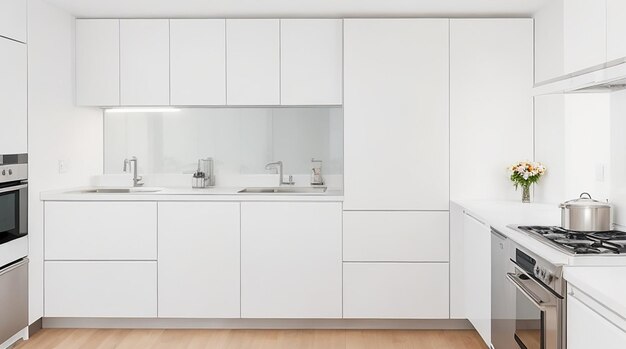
[(604, 78), (605, 87)]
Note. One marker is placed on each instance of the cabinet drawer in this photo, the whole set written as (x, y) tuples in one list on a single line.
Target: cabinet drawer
[(396, 236), (100, 289), (395, 290), (100, 230)]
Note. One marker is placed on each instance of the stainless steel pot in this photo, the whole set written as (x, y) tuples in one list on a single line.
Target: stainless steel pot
[(585, 214)]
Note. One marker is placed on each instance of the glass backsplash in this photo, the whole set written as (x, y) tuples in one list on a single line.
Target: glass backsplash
[(240, 140)]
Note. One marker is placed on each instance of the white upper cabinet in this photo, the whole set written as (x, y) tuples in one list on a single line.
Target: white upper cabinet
[(97, 62), (311, 61), (585, 34), (615, 29), (491, 104), (253, 61), (549, 41), (396, 114), (198, 61), (13, 97), (291, 260), (13, 14), (199, 260), (144, 62)]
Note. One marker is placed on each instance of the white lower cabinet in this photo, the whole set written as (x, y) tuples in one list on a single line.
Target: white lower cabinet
[(100, 289), (586, 328), (477, 282), (101, 230), (291, 260), (396, 290), (199, 260), (403, 236)]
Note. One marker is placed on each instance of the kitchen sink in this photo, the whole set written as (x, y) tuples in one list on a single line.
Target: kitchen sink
[(283, 190), (119, 190)]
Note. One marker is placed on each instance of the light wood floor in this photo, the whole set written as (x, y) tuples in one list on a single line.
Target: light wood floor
[(257, 339)]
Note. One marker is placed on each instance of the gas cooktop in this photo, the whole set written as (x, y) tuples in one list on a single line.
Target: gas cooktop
[(577, 243)]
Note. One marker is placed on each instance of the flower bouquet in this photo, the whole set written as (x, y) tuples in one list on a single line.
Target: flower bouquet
[(524, 174)]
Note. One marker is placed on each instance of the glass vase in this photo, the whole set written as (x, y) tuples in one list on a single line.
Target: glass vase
[(526, 194)]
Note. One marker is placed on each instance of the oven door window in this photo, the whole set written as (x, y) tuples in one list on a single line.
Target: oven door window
[(529, 323), (9, 216)]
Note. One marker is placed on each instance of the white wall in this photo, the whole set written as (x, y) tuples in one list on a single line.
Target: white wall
[(587, 145), (572, 139), (618, 156), (57, 129), (491, 115), (550, 147)]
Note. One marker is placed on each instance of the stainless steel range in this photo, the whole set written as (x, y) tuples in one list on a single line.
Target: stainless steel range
[(576, 243), (528, 298)]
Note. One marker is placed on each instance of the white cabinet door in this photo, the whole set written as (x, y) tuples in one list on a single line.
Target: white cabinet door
[(615, 29), (290, 260), (588, 329), (370, 236), (477, 267), (101, 230), (13, 97), (395, 290), (13, 14), (144, 62), (97, 62), (311, 61), (100, 289), (198, 61), (584, 34), (549, 41), (396, 114), (491, 104), (253, 61), (199, 260), (457, 262)]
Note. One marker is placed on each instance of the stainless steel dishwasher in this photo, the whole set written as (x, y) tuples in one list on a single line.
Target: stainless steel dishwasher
[(502, 294), (13, 299)]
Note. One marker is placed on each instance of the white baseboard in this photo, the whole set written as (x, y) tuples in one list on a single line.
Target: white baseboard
[(255, 324)]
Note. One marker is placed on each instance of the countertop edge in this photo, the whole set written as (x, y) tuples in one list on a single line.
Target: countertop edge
[(186, 194)]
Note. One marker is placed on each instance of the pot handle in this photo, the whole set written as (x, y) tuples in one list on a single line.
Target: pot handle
[(585, 193)]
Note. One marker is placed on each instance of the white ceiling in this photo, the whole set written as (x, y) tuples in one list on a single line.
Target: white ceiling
[(298, 8)]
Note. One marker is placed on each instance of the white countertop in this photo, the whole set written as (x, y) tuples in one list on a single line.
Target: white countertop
[(606, 284), (187, 194), (500, 214)]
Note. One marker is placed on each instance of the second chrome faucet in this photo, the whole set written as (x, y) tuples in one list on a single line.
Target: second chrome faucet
[(137, 180), (278, 165)]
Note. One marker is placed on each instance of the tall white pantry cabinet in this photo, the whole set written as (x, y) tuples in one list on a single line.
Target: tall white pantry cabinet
[(396, 167), (421, 97)]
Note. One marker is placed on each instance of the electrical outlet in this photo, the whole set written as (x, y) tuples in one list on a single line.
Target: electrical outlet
[(62, 166), (600, 172)]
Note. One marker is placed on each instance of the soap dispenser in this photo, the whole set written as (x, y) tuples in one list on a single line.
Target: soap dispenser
[(316, 172)]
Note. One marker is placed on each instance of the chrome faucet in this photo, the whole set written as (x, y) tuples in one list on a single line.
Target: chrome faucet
[(127, 165), (279, 166)]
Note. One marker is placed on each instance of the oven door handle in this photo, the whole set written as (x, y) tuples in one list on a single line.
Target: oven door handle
[(13, 188), (536, 300)]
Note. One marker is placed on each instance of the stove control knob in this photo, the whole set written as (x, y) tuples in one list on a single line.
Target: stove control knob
[(4, 172), (537, 271), (547, 279), (10, 172)]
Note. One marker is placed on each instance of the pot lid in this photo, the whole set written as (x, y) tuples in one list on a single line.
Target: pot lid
[(585, 201)]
